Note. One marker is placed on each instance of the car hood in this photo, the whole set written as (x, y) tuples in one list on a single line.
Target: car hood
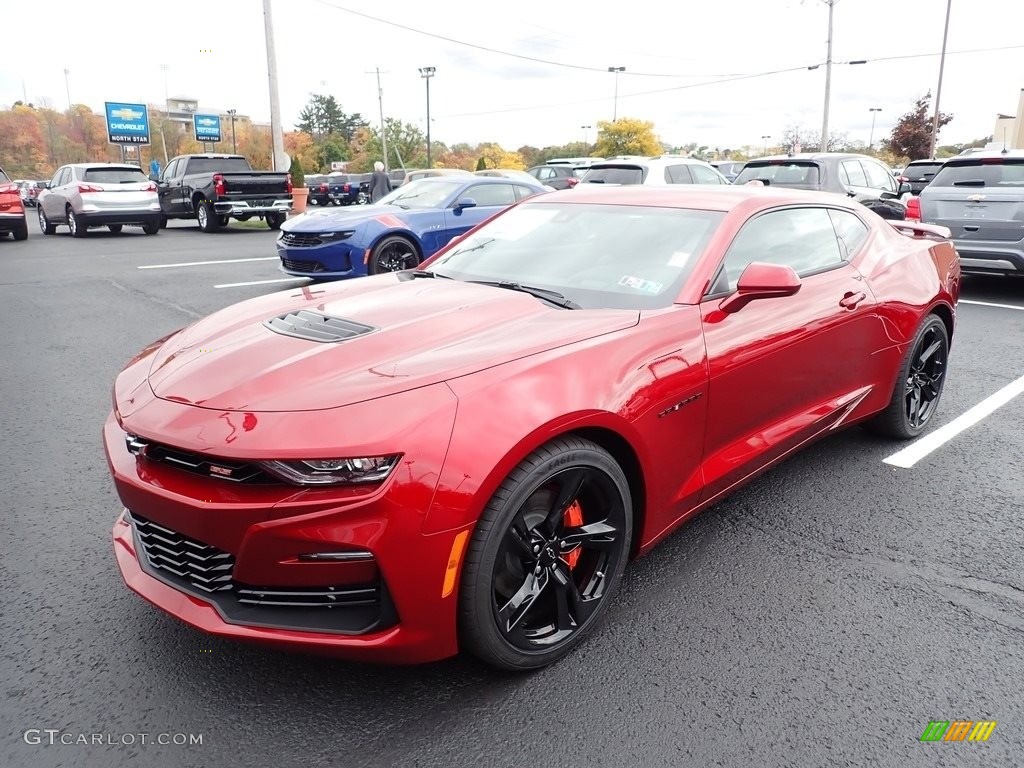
[(339, 218), (422, 332)]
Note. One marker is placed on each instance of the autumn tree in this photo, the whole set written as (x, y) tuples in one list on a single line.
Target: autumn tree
[(494, 156), (323, 116), (911, 137), (626, 136), (407, 146)]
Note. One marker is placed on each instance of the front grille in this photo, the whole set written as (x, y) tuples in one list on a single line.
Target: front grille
[(300, 240), (316, 326), (208, 572), (303, 266), (199, 464), (199, 565)]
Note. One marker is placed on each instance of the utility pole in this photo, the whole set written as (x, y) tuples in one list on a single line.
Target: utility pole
[(874, 113), (67, 86), (276, 132), (383, 132), (938, 91), (615, 107), (828, 78), (426, 73)]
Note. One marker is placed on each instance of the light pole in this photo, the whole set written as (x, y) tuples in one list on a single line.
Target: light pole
[(765, 140), (828, 78), (276, 131), (67, 86), (234, 145), (874, 113), (938, 91), (586, 144), (426, 73), (615, 108)]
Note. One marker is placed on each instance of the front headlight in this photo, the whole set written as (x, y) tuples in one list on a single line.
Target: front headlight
[(336, 235), (373, 469)]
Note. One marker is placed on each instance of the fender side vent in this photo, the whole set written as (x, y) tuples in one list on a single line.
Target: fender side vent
[(316, 326)]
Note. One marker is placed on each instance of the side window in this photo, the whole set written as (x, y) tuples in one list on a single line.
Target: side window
[(523, 192), (852, 174), (802, 238), (545, 173), (702, 175), (171, 169), (851, 231), (878, 177), (491, 194), (678, 174), (65, 176), (55, 181)]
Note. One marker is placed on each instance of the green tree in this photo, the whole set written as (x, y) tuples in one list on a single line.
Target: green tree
[(912, 135), (322, 116), (481, 163), (626, 136)]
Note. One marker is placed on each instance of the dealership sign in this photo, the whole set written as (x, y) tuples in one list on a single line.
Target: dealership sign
[(127, 123), (207, 127)]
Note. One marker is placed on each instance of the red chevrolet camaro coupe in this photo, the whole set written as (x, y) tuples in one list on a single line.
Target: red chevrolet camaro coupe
[(465, 455)]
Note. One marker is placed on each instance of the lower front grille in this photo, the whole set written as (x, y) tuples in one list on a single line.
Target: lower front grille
[(208, 572), (295, 265)]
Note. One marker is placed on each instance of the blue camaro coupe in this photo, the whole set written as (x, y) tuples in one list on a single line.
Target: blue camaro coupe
[(401, 230)]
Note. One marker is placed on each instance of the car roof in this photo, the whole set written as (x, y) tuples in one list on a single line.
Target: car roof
[(651, 161), (983, 155), (702, 197), (474, 178), (813, 156), (103, 165)]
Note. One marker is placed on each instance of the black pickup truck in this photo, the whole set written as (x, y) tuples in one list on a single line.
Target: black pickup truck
[(213, 189)]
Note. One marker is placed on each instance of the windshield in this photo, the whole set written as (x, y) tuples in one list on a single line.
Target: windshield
[(598, 256), (421, 194), (794, 175), (217, 164), (615, 174), (4, 178), (983, 172), (114, 176)]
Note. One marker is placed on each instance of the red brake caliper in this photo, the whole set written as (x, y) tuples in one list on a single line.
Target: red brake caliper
[(573, 519)]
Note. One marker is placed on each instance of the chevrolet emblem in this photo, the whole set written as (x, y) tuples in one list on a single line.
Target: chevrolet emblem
[(975, 198)]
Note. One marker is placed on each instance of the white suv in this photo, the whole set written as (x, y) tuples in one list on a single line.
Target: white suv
[(653, 171)]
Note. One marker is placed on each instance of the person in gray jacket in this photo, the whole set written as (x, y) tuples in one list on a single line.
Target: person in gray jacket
[(380, 184)]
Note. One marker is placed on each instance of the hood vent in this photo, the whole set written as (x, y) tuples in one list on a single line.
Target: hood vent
[(316, 326)]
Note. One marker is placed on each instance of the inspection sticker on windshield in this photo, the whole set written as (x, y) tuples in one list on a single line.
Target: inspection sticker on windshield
[(648, 286), (679, 259)]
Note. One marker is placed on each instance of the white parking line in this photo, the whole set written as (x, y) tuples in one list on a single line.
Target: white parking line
[(917, 450), (201, 263), (262, 282), (990, 304)]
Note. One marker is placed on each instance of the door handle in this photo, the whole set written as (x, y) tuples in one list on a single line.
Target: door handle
[(971, 227), (850, 300)]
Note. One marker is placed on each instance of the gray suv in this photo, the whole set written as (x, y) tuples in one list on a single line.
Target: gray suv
[(980, 198)]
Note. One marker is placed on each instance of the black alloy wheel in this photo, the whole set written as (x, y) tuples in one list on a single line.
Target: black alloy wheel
[(918, 390), (393, 254), (547, 555)]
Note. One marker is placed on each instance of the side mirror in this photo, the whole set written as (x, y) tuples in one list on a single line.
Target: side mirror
[(761, 281), (904, 189), (889, 196), (465, 202)]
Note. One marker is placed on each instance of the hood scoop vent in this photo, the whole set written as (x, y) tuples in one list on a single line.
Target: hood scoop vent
[(316, 326)]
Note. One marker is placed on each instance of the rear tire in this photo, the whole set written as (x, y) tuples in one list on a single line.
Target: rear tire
[(163, 222), (275, 220), (207, 217), (77, 224), (115, 228), (21, 233), (915, 398), (152, 227)]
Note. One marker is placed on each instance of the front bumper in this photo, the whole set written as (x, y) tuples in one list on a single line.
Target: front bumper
[(264, 529), (330, 261)]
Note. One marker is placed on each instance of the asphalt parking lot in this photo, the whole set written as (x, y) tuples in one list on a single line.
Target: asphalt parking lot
[(822, 616)]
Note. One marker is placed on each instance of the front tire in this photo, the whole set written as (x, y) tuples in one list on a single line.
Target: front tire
[(152, 227), (915, 398), (392, 254), (546, 557), (44, 223)]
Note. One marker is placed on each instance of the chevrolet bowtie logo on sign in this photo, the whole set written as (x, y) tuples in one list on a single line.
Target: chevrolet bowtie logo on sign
[(125, 113), (958, 730), (207, 121)]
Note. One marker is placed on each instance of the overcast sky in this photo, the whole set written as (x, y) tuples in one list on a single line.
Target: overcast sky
[(669, 52)]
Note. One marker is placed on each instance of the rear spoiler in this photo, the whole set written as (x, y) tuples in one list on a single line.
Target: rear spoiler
[(917, 229)]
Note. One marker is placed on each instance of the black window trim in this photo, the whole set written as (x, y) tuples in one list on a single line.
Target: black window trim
[(809, 273)]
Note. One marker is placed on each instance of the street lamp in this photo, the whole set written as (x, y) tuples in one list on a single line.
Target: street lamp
[(426, 73), (874, 113), (67, 86), (938, 91), (765, 139), (234, 145), (586, 128), (615, 109)]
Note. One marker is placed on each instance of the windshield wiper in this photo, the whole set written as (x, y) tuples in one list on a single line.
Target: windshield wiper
[(552, 297), (477, 247)]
